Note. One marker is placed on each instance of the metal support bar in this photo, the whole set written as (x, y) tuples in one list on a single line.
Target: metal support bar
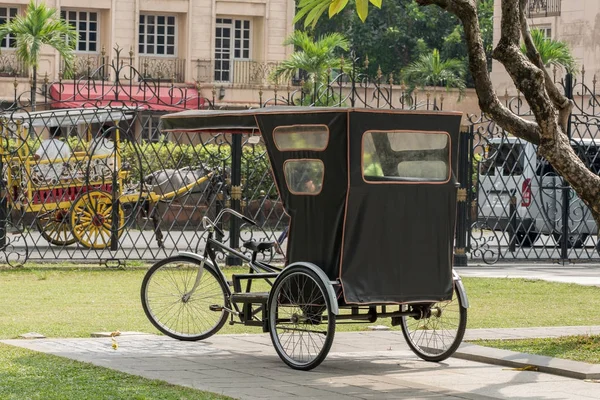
[(236, 182), (462, 208)]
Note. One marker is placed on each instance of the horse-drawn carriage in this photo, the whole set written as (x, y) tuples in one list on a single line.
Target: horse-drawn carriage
[(77, 195), (371, 196)]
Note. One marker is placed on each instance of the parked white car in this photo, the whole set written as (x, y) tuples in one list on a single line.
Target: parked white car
[(510, 166)]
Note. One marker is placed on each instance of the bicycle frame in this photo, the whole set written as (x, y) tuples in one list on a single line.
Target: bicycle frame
[(257, 270)]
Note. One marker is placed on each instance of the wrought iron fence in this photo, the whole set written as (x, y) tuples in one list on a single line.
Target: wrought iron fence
[(124, 190), (520, 209)]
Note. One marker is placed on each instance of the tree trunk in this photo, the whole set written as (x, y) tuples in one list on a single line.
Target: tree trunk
[(549, 107), (34, 88)]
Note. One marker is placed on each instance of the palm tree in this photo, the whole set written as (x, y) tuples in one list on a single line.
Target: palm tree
[(430, 70), (553, 52), (40, 26), (316, 58)]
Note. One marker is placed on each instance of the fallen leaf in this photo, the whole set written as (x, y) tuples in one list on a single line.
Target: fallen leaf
[(525, 368)]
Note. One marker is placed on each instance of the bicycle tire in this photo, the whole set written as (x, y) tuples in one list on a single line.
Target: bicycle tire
[(436, 337), (301, 314), (162, 294)]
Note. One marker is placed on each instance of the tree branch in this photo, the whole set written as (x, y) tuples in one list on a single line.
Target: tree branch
[(530, 80), (563, 104), (466, 11)]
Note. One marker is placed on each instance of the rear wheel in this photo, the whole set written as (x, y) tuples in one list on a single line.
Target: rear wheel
[(55, 227), (301, 322), (437, 334), (175, 308)]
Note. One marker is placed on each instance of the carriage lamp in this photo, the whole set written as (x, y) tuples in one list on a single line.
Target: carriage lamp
[(221, 93)]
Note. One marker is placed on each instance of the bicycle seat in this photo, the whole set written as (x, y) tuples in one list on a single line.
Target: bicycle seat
[(258, 246)]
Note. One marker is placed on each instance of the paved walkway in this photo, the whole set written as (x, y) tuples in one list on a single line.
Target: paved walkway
[(361, 365)]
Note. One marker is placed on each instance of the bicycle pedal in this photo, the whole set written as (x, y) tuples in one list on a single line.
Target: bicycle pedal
[(215, 307)]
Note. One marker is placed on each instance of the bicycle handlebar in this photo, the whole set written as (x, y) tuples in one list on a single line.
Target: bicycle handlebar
[(235, 214), (207, 222)]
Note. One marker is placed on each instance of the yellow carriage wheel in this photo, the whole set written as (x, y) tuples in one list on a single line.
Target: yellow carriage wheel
[(92, 219), (55, 226)]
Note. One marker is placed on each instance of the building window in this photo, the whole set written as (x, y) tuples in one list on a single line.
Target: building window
[(6, 14), (157, 35), (86, 25), (546, 30), (232, 42)]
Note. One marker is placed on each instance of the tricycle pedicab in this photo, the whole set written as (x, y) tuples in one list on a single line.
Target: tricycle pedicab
[(371, 196)]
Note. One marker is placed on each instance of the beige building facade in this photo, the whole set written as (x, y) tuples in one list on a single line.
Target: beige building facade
[(227, 43), (576, 22)]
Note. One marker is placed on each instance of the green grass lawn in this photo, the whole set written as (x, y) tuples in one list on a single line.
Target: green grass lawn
[(59, 302), (584, 348), (28, 374)]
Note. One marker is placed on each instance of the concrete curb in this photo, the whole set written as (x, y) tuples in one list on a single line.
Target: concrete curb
[(507, 358)]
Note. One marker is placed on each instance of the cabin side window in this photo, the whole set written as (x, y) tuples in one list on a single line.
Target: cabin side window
[(304, 176), (406, 156), (301, 137)]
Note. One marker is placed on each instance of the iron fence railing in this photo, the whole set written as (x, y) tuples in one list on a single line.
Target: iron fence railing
[(36, 222), (11, 66), (239, 72), (85, 66), (162, 68), (543, 8)]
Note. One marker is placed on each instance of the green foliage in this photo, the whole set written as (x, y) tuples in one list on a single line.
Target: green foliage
[(40, 26), (315, 57), (552, 52), (431, 70), (401, 31)]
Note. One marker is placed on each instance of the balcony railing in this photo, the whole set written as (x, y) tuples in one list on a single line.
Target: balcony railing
[(543, 8), (86, 66), (171, 69), (11, 66), (241, 72)]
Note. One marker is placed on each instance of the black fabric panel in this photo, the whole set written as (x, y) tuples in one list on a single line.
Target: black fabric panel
[(396, 244), (315, 233), (398, 238)]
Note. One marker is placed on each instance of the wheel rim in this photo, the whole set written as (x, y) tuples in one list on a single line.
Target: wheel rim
[(435, 334), (55, 227), (300, 324), (189, 317), (92, 219)]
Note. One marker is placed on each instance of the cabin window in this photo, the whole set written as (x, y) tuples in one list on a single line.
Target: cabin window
[(301, 137), (406, 156), (304, 177)]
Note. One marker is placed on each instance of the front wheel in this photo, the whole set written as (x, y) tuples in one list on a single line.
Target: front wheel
[(183, 300), (439, 331), (301, 323), (92, 219)]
